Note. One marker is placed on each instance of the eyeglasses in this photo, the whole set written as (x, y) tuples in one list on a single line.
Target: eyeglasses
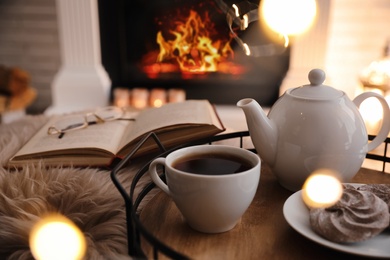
[(77, 122)]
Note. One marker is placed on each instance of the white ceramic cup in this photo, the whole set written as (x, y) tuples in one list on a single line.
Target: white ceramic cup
[(209, 203)]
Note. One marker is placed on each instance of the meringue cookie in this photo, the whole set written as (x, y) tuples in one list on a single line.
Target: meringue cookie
[(380, 190), (357, 216)]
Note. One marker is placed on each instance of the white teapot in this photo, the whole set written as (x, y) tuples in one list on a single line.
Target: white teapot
[(312, 127)]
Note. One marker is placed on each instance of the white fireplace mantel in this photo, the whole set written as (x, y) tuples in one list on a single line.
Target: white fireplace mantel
[(81, 83)]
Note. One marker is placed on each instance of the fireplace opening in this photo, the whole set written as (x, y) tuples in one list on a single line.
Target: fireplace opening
[(190, 44)]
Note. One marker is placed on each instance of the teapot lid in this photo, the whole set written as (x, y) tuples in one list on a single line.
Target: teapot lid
[(315, 90)]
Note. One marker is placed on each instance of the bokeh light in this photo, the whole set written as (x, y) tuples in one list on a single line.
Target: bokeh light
[(288, 17), (56, 237), (322, 189)]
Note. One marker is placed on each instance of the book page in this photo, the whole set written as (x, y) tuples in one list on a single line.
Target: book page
[(104, 136), (195, 112)]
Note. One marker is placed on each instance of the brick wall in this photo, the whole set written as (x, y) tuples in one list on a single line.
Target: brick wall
[(29, 40)]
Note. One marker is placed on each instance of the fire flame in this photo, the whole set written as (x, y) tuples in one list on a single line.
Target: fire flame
[(192, 46)]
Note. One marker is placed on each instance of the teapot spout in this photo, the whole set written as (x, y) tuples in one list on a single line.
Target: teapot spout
[(262, 130)]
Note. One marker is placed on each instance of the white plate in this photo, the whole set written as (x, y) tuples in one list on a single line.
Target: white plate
[(297, 215)]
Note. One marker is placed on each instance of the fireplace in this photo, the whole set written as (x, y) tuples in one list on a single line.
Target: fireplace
[(158, 44)]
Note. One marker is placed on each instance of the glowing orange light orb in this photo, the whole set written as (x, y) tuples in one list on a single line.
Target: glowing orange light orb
[(322, 189), (56, 237), (288, 17)]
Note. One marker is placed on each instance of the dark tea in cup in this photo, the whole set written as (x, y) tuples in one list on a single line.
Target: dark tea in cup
[(212, 164)]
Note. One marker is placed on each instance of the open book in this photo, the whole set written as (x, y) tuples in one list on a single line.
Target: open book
[(100, 144)]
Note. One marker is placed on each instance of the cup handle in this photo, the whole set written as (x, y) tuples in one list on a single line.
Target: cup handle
[(384, 131), (155, 177)]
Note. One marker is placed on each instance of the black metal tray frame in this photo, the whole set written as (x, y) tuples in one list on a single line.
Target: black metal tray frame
[(135, 228)]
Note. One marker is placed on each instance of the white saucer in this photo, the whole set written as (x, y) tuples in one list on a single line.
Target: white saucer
[(297, 215)]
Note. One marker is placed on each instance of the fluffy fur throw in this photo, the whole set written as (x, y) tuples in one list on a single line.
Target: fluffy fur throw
[(86, 196)]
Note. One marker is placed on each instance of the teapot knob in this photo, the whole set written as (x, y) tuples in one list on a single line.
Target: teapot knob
[(316, 77)]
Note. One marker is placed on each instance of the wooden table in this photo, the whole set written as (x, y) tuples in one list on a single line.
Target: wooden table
[(262, 233)]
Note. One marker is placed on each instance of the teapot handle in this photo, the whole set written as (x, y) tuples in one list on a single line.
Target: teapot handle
[(384, 131)]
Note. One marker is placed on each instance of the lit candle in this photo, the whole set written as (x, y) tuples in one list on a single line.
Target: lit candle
[(139, 98), (121, 97), (322, 189), (158, 97), (176, 95), (56, 237)]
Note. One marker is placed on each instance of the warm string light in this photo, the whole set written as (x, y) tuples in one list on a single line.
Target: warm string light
[(245, 21), (322, 189), (247, 50), (286, 41), (56, 237), (236, 10)]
